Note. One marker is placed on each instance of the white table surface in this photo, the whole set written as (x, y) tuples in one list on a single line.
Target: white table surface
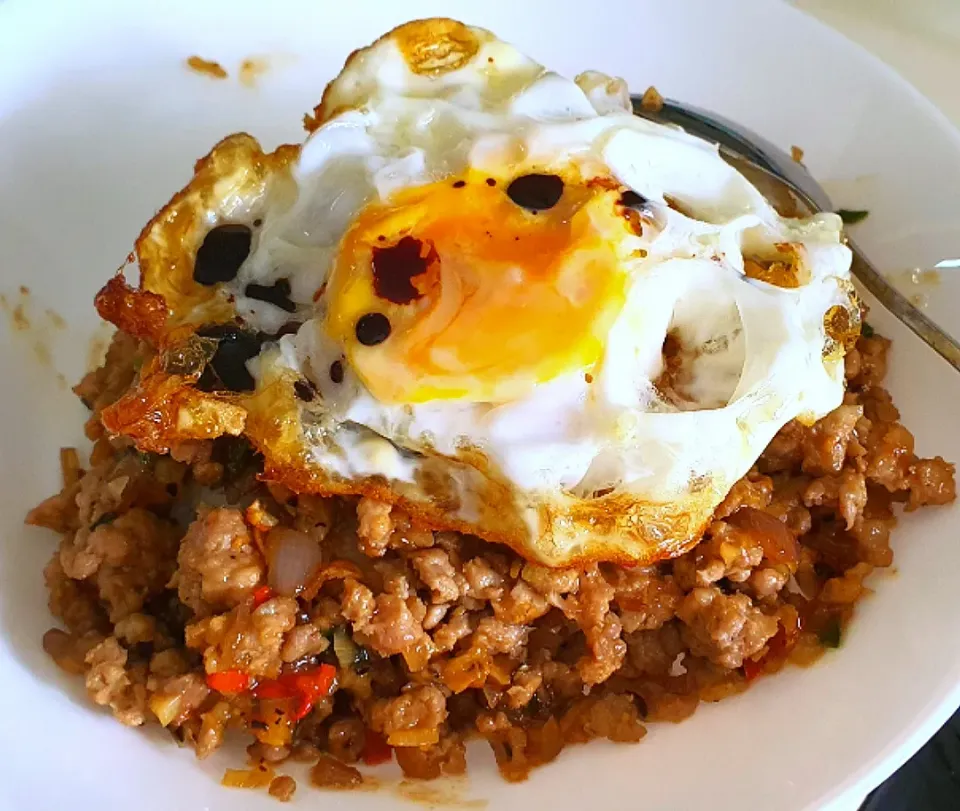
[(918, 38)]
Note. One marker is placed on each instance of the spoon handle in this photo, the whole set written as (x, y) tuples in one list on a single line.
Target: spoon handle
[(891, 298)]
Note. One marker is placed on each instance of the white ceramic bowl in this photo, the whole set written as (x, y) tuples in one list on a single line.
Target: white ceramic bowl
[(100, 123)]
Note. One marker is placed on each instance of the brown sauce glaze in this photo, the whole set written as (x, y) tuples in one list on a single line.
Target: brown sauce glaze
[(395, 268), (277, 294), (536, 192), (223, 251)]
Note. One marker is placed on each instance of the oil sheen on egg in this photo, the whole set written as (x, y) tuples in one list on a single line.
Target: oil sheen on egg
[(528, 314)]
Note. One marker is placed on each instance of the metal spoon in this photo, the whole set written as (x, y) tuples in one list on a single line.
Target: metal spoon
[(753, 152)]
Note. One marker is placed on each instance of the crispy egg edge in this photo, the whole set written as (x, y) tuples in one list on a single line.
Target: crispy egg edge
[(162, 410)]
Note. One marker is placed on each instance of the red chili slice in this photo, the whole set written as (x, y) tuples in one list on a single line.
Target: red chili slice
[(229, 681), (261, 595)]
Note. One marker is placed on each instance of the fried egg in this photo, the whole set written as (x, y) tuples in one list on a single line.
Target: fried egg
[(492, 295)]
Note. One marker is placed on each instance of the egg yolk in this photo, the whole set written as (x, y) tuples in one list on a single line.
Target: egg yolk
[(478, 288)]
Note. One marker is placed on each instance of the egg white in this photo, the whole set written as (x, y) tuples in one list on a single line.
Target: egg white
[(760, 358)]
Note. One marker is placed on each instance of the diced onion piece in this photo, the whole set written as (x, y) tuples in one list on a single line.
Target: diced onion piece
[(292, 558), (69, 466), (259, 518), (414, 737), (166, 708), (465, 671), (115, 487), (418, 655), (345, 649), (500, 671), (248, 778), (276, 724)]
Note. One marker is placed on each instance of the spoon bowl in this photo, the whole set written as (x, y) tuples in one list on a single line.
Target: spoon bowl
[(760, 160)]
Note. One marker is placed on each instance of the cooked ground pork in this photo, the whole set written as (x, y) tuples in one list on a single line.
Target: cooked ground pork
[(247, 638), (218, 565), (405, 643)]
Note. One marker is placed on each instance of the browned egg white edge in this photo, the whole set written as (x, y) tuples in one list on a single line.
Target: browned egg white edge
[(164, 408)]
